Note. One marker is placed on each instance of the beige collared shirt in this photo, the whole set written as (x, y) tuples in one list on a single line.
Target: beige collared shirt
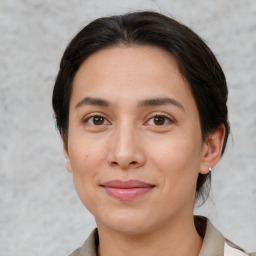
[(214, 244)]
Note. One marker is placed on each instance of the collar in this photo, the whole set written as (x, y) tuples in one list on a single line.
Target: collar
[(213, 242)]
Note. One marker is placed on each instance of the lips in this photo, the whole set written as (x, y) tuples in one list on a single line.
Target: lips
[(126, 190)]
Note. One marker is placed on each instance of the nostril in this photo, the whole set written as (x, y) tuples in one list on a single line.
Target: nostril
[(133, 162)]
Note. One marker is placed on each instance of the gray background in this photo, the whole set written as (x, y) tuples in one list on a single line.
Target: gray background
[(40, 212)]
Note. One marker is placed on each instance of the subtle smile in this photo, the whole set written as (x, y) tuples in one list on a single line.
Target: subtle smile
[(126, 190)]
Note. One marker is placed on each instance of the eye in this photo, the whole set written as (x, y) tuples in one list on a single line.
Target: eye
[(159, 120), (96, 120)]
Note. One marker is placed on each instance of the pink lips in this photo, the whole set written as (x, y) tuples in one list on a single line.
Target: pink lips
[(126, 190)]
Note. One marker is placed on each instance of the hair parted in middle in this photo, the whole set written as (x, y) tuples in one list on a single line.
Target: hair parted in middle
[(196, 62)]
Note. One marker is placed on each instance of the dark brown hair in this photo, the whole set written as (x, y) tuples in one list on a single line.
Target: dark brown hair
[(196, 62)]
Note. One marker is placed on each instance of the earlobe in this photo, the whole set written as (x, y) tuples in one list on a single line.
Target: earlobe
[(66, 153), (212, 149)]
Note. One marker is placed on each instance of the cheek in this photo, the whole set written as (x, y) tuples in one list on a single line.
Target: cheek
[(85, 172), (82, 160), (179, 172), (84, 152), (178, 160), (176, 152), (87, 158), (84, 163)]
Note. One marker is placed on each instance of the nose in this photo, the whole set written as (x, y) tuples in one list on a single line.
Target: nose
[(126, 150)]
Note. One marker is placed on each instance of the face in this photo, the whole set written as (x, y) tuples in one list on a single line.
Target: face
[(134, 140)]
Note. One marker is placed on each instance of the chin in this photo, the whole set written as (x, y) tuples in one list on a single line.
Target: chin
[(132, 223), (130, 228)]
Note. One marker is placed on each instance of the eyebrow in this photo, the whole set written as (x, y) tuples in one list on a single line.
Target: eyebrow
[(161, 101), (144, 103), (92, 101)]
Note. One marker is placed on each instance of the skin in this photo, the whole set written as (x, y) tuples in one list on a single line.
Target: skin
[(124, 140)]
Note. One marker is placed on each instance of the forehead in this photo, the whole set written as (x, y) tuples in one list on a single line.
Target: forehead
[(130, 73), (126, 58)]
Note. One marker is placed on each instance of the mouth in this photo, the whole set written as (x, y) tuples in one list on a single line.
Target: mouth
[(126, 190)]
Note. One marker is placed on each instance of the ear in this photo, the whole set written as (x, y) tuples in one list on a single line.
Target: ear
[(212, 149), (66, 153)]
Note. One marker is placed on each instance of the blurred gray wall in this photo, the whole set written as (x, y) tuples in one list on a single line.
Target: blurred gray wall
[(40, 213)]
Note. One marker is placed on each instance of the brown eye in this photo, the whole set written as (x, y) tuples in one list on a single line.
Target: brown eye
[(98, 120), (159, 120)]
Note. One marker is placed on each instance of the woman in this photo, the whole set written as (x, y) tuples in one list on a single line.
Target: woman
[(140, 103)]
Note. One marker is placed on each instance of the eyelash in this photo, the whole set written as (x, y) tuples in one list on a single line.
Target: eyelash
[(161, 115), (94, 115)]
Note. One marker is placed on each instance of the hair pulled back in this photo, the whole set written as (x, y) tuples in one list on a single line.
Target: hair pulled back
[(196, 62)]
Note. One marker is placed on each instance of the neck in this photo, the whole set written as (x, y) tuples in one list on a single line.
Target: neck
[(179, 238)]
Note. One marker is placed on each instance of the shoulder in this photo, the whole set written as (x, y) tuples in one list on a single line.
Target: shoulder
[(77, 252), (89, 247), (232, 250), (214, 242)]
